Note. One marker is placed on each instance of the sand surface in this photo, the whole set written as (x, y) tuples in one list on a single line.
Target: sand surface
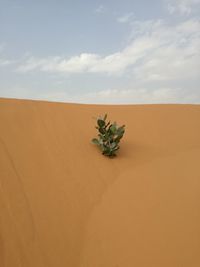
[(63, 204)]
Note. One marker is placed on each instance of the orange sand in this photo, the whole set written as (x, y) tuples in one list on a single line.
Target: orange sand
[(63, 204)]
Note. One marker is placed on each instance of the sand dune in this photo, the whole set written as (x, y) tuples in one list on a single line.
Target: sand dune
[(64, 204)]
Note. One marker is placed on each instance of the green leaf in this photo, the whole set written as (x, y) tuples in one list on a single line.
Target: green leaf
[(120, 131), (102, 130), (108, 137), (117, 139), (113, 128), (95, 141), (113, 145), (101, 123)]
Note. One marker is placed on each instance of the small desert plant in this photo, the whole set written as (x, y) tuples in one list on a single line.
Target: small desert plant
[(109, 136)]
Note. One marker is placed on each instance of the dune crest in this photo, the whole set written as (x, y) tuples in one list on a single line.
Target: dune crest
[(64, 204)]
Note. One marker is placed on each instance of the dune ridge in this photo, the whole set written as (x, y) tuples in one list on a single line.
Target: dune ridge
[(63, 204)]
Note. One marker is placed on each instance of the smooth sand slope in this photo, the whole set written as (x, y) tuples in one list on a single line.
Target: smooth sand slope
[(62, 204)]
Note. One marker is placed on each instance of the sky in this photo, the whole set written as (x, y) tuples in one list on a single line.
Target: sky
[(101, 52)]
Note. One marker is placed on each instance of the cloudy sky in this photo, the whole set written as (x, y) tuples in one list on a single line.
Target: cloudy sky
[(116, 51)]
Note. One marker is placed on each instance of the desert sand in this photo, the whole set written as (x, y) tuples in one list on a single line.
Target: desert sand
[(64, 204)]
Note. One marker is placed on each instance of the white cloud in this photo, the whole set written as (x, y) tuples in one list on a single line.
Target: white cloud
[(162, 61), (125, 18), (3, 61), (176, 58), (183, 7), (127, 96), (115, 63), (157, 52), (100, 9), (140, 95)]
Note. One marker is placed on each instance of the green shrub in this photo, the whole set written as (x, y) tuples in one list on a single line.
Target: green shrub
[(109, 136)]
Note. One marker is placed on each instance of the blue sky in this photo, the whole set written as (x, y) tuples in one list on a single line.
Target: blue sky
[(130, 51)]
